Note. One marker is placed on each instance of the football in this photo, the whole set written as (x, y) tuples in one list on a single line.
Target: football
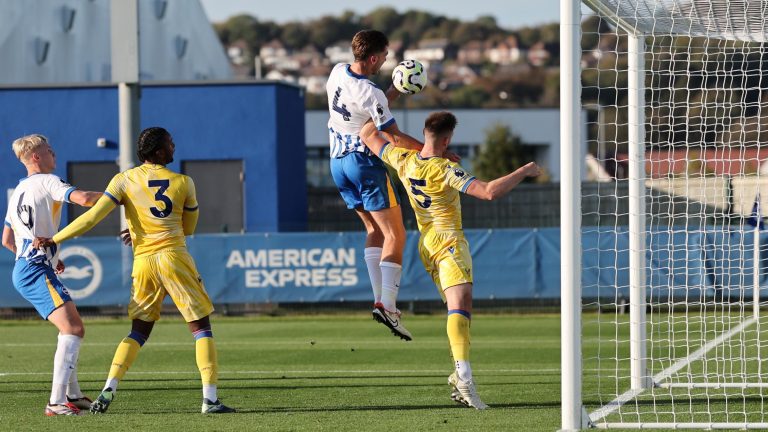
[(409, 77)]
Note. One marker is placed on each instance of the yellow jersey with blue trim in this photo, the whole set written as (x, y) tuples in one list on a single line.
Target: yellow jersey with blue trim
[(155, 199), (433, 186)]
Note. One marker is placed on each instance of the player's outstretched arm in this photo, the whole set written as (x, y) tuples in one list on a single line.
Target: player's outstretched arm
[(402, 139), (82, 224), (392, 94), (372, 138), (85, 198), (9, 240), (501, 186)]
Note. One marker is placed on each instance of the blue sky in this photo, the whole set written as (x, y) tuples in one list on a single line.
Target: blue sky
[(508, 13)]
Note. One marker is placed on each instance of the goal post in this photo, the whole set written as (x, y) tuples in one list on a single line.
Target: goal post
[(661, 265), (572, 417)]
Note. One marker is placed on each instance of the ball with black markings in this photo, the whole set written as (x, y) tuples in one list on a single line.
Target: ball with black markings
[(409, 77)]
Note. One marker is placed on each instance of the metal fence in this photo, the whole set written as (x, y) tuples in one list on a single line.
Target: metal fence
[(535, 206), (526, 206)]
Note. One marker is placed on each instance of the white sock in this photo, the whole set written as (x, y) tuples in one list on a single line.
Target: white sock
[(73, 388), (463, 370), (390, 284), (111, 383), (64, 362), (372, 259), (209, 392)]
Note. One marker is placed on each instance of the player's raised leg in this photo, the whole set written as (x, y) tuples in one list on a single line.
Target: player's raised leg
[(374, 240), (71, 331), (390, 222), (459, 302), (125, 355)]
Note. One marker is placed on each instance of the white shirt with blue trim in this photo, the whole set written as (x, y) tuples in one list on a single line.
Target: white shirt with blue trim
[(353, 100), (34, 210)]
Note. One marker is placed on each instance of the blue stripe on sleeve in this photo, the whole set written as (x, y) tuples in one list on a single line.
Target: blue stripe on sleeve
[(460, 312), (381, 152), (8, 224), (466, 185), (191, 208), (112, 198), (387, 124), (68, 193)]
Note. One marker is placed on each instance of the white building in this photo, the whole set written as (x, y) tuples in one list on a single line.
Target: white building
[(539, 128), (429, 50), (340, 53), (68, 41)]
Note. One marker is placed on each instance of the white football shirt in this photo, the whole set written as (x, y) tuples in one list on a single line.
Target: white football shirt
[(352, 100), (34, 210)]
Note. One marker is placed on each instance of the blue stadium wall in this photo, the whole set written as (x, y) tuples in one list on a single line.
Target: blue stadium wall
[(261, 124)]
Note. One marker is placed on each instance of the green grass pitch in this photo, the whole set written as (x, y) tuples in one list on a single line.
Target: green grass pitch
[(296, 373)]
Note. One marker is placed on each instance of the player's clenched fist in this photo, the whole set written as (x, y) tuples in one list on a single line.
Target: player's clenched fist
[(531, 169), (42, 242)]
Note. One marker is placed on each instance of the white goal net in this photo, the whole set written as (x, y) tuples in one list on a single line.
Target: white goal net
[(676, 97)]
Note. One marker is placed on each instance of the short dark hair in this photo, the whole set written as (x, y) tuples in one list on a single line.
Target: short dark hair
[(366, 43), (150, 141), (440, 123)]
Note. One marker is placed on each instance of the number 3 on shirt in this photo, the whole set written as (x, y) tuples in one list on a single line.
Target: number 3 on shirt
[(162, 186)]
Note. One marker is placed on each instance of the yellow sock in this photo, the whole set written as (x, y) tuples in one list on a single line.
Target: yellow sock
[(205, 354), (125, 354), (458, 333)]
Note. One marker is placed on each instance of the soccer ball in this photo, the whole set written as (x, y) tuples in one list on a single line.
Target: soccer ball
[(409, 77)]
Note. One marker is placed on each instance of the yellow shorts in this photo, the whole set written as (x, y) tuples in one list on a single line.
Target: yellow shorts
[(446, 258), (172, 273)]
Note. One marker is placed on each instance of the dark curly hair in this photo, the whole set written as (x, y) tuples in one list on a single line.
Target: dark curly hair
[(150, 141)]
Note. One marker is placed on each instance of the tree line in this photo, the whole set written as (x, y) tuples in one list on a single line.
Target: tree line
[(409, 27)]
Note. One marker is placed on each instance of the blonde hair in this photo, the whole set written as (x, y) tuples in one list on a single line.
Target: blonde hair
[(25, 145)]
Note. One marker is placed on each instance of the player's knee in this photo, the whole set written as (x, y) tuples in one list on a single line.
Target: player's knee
[(76, 329), (394, 234), (375, 236)]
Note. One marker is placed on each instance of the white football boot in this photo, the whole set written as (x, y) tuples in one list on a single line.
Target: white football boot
[(391, 320), (465, 393)]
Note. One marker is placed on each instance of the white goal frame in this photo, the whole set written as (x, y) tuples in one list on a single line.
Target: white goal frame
[(574, 416)]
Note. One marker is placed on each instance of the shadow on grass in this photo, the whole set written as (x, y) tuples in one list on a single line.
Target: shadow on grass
[(130, 381), (430, 408)]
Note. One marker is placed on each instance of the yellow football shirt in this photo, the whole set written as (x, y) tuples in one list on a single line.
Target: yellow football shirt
[(433, 186), (155, 199)]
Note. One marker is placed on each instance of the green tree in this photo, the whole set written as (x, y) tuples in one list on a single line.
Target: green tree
[(383, 19), (324, 31), (469, 96), (591, 30), (502, 153), (294, 35), (247, 28)]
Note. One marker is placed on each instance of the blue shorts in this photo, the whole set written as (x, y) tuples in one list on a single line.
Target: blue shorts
[(363, 182), (38, 284)]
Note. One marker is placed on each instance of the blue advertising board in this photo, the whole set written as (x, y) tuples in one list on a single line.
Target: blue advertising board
[(329, 267)]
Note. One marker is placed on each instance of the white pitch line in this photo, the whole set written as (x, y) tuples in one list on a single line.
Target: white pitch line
[(666, 373), (288, 372), (318, 343)]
